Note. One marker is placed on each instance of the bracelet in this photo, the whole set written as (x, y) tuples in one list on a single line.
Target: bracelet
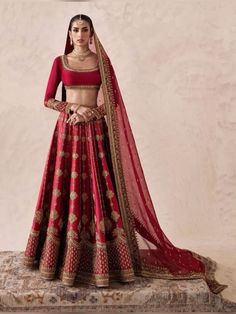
[(78, 105), (68, 107)]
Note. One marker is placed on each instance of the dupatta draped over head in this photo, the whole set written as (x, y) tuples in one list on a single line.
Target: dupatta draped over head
[(153, 255)]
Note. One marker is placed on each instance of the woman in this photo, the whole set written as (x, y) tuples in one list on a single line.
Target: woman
[(94, 220)]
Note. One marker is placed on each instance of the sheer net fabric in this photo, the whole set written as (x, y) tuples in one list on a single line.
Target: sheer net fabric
[(147, 250)]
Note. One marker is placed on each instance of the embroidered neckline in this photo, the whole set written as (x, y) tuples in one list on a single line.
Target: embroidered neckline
[(66, 66)]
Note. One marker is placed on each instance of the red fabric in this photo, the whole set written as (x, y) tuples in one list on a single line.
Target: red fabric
[(149, 253), (77, 201), (59, 74)]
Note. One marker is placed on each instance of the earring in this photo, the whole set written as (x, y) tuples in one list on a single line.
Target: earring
[(71, 42), (91, 40)]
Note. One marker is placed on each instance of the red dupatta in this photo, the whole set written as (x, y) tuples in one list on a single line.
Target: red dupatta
[(153, 255)]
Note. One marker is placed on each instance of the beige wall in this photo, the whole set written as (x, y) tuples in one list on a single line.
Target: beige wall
[(175, 63)]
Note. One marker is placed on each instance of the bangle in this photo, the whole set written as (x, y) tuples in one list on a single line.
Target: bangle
[(68, 107), (77, 107)]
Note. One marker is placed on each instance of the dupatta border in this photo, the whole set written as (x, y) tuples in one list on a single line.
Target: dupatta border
[(109, 101)]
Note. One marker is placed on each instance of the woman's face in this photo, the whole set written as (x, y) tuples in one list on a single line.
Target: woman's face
[(80, 33)]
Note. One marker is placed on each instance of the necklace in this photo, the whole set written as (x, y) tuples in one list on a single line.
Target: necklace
[(82, 56)]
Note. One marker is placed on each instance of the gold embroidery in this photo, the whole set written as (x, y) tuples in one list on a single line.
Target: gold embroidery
[(99, 137), (82, 86), (56, 192), (52, 231), (75, 155), (119, 232), (67, 67), (54, 214), (101, 154), (102, 226), (115, 216), (72, 218), (109, 194), (38, 216), (74, 174), (72, 234), (105, 173), (73, 195), (61, 153), (112, 123), (108, 223), (59, 172)]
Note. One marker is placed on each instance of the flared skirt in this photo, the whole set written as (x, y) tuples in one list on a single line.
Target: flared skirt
[(77, 233)]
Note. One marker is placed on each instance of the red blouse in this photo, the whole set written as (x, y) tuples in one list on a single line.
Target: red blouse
[(61, 71)]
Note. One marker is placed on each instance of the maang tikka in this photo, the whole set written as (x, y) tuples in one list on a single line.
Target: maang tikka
[(80, 22)]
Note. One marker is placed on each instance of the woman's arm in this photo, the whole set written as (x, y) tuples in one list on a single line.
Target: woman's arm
[(53, 82), (97, 112)]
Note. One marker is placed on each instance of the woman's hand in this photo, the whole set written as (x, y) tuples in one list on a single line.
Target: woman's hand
[(75, 118)]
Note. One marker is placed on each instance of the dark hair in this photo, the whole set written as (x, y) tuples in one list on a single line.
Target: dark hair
[(82, 17)]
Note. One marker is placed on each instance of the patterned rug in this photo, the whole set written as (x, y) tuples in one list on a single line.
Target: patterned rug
[(23, 290)]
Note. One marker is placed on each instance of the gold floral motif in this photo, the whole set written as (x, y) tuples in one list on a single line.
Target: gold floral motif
[(59, 172), (74, 174), (115, 216), (101, 154), (84, 196), (105, 173), (108, 224), (52, 230), (109, 194), (72, 218), (119, 232), (34, 233), (56, 192), (54, 214), (61, 153), (99, 137), (73, 195), (71, 234), (38, 216), (84, 219), (75, 155), (102, 226), (76, 137)]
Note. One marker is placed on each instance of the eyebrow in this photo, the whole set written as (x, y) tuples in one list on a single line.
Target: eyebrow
[(78, 27)]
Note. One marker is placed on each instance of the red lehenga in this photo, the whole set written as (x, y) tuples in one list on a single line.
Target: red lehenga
[(94, 220)]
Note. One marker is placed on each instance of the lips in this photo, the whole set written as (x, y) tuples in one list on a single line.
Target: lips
[(80, 40)]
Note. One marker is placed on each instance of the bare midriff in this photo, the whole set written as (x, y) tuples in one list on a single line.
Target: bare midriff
[(87, 98)]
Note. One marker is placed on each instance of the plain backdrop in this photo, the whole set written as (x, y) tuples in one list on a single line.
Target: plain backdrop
[(175, 64)]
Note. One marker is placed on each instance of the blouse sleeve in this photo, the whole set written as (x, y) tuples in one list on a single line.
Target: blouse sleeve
[(53, 82)]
